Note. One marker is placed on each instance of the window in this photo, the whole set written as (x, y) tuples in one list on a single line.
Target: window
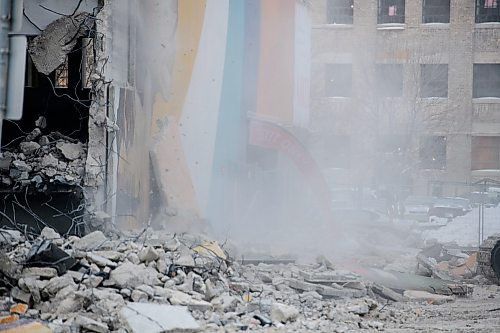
[(487, 11), (391, 11), (485, 153), (390, 80), (486, 80), (337, 151), (436, 11), (340, 11), (338, 80), (434, 80), (432, 152), (61, 75)]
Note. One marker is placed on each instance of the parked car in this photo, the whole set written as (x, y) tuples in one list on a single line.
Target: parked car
[(417, 208), (488, 199), (450, 207)]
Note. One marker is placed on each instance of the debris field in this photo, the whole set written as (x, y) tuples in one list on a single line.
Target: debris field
[(160, 282)]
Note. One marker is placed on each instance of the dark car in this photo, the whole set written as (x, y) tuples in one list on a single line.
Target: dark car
[(450, 207), (488, 199)]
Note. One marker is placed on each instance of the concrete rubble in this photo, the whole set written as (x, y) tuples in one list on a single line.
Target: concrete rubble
[(40, 162), (447, 262), (160, 282)]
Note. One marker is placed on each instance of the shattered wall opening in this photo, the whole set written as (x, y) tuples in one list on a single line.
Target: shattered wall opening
[(42, 166)]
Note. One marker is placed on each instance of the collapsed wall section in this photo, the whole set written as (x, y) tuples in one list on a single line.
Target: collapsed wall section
[(46, 178)]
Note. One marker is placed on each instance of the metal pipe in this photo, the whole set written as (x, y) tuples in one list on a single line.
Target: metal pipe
[(17, 64), (15, 81), (5, 16)]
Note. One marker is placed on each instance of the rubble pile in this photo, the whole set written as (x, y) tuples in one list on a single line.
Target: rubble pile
[(159, 282), (447, 263), (41, 161)]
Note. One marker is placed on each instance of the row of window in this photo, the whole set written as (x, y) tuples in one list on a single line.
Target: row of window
[(433, 80), (393, 11), (485, 151)]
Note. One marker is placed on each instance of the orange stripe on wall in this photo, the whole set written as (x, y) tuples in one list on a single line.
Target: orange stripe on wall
[(190, 18), (276, 69)]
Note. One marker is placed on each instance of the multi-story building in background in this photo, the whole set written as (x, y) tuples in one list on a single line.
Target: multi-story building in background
[(406, 93)]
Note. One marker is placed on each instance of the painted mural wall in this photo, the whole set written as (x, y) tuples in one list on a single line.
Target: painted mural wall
[(202, 68)]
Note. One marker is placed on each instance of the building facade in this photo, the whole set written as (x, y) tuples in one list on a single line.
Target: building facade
[(406, 93)]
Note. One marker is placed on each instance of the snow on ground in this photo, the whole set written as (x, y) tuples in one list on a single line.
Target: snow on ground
[(464, 230)]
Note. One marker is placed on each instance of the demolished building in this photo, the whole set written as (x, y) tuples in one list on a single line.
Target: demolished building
[(134, 112)]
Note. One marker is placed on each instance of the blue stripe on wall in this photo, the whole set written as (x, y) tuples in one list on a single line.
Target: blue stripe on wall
[(230, 143)]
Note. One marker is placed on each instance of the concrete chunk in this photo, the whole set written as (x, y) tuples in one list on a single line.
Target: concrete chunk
[(100, 261), (8, 267), (333, 291), (91, 324), (418, 295), (21, 165), (131, 276), (29, 148), (158, 318), (71, 151), (90, 242), (148, 254), (283, 313), (10, 236), (49, 49), (111, 255), (42, 272), (21, 296)]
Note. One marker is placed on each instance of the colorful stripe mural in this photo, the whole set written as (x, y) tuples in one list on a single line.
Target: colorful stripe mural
[(234, 58)]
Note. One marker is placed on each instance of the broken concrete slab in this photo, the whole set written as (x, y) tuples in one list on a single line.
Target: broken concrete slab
[(21, 166), (387, 293), (20, 295), (58, 283), (10, 237), (100, 261), (91, 324), (35, 133), (33, 286), (90, 242), (329, 277), (158, 318), (29, 148), (49, 161), (334, 291), (210, 249), (40, 272), (111, 255), (49, 49), (130, 275), (9, 267), (71, 151), (419, 295), (283, 313), (148, 254), (5, 161), (50, 234), (405, 281)]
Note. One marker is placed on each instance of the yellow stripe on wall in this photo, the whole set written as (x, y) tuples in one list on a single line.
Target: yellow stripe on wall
[(169, 157)]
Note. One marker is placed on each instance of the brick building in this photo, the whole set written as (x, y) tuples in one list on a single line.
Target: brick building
[(406, 93)]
